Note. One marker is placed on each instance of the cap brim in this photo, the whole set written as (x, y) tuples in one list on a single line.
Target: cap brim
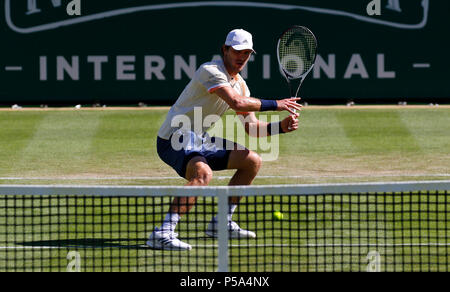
[(243, 47)]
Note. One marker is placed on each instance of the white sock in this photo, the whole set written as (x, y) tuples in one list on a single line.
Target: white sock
[(170, 222), (231, 209)]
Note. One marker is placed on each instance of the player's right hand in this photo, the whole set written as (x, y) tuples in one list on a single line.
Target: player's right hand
[(289, 104), (290, 123)]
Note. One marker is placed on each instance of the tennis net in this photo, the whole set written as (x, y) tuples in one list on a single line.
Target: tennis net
[(334, 227)]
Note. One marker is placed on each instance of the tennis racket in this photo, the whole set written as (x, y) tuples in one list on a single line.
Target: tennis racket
[(297, 52)]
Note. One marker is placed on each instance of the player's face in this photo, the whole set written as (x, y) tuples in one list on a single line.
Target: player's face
[(234, 60)]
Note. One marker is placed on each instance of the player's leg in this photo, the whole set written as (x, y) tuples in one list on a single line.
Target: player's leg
[(247, 164), (198, 173)]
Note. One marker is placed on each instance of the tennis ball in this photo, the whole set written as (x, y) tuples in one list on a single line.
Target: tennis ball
[(277, 215)]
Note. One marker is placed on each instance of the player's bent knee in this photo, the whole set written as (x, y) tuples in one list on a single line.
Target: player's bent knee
[(204, 174), (245, 160), (255, 160), (198, 172)]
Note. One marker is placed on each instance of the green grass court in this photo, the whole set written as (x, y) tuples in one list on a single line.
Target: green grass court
[(117, 147)]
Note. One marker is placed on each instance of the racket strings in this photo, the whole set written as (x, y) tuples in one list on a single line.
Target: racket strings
[(297, 51)]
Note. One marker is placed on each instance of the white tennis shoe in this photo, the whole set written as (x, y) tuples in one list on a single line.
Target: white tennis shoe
[(234, 230), (166, 240)]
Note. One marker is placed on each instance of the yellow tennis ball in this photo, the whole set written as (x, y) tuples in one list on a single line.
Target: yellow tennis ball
[(277, 215)]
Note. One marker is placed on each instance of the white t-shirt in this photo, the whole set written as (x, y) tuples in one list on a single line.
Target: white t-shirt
[(198, 96)]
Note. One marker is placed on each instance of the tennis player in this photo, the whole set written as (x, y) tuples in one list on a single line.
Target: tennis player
[(215, 88)]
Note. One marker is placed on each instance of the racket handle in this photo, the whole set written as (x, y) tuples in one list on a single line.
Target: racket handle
[(289, 128)]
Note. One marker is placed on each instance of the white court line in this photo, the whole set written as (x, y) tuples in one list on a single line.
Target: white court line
[(226, 177), (244, 245), (68, 247), (332, 245), (29, 247)]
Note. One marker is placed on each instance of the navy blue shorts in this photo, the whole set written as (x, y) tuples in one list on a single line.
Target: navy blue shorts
[(177, 152)]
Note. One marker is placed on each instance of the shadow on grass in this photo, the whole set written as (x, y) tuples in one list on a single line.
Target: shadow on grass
[(128, 243), (88, 243)]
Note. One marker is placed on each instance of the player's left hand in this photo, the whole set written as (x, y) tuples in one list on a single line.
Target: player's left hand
[(290, 123)]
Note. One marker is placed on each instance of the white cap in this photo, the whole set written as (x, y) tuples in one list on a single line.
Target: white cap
[(239, 40)]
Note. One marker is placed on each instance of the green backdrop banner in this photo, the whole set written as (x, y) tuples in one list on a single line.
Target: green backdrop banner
[(131, 51)]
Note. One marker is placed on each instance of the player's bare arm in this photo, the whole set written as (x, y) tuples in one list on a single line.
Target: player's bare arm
[(241, 103), (256, 128)]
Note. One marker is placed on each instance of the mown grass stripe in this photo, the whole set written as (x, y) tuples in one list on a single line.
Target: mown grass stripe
[(124, 138), (16, 130), (320, 132), (61, 144), (430, 127), (377, 132)]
